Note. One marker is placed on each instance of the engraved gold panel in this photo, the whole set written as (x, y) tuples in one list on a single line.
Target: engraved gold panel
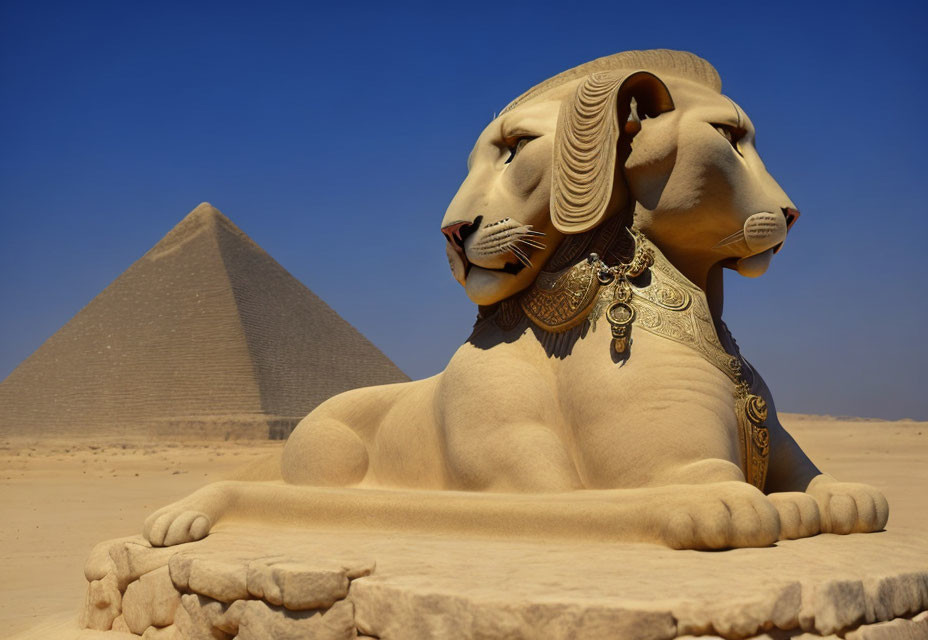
[(560, 301)]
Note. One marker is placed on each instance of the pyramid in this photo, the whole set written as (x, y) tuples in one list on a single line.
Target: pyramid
[(206, 335)]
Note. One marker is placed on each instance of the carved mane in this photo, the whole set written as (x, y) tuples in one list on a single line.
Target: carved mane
[(675, 63)]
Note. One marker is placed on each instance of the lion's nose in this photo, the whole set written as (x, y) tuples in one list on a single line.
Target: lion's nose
[(457, 232), (792, 215), (453, 233)]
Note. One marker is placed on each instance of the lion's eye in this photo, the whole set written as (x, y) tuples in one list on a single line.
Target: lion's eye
[(732, 134), (517, 147)]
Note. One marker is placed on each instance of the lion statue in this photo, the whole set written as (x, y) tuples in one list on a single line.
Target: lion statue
[(600, 394)]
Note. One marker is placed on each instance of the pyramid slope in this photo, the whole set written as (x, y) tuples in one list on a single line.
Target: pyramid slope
[(314, 353), (204, 335)]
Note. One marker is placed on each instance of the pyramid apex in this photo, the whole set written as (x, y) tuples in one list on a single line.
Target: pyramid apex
[(203, 217), (203, 212), (204, 206)]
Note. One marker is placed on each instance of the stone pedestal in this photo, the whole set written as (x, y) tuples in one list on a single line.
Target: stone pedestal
[(246, 582)]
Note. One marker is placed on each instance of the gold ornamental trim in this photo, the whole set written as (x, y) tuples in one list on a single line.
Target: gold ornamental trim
[(560, 301), (672, 307)]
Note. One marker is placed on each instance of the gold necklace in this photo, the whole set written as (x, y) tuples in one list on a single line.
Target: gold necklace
[(648, 292)]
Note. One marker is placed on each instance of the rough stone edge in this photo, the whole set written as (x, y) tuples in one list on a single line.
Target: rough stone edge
[(819, 610), (822, 609), (115, 567)]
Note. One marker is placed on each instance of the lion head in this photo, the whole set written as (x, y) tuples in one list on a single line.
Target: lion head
[(642, 134)]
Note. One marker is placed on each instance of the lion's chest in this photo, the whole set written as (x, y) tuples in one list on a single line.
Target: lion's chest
[(624, 424), (508, 382), (633, 422)]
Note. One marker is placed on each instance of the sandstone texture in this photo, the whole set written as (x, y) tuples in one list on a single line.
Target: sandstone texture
[(244, 581), (206, 335)]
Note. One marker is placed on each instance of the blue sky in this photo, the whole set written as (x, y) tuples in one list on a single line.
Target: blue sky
[(335, 136)]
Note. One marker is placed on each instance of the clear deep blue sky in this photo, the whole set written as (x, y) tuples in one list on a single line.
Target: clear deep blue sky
[(335, 136)]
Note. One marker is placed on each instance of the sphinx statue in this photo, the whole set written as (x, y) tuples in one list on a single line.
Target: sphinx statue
[(600, 393)]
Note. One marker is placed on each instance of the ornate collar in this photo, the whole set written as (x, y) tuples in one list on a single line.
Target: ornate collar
[(646, 291)]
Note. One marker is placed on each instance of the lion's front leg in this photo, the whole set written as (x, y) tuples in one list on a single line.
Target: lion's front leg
[(191, 518), (809, 501), (718, 515), (848, 507), (812, 502), (788, 474)]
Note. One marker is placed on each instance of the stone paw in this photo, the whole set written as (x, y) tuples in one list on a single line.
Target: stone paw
[(848, 507), (175, 524), (799, 514), (723, 515)]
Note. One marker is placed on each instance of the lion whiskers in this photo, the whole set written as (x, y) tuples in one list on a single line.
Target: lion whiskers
[(737, 238), (760, 232), (507, 236)]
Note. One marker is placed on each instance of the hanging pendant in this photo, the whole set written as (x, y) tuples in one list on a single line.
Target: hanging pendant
[(620, 316)]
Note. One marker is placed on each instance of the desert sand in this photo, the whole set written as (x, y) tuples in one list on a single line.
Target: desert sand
[(59, 498)]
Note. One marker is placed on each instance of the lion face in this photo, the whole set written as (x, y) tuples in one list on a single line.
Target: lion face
[(678, 153), (700, 189), (498, 228)]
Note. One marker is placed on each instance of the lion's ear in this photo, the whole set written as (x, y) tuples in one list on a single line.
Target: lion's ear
[(584, 186)]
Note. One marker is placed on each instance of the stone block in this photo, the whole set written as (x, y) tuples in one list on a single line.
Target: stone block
[(150, 601), (899, 629), (202, 618), (296, 586), (441, 586), (776, 604), (225, 581), (133, 560), (162, 633), (102, 604), (119, 625), (895, 596), (260, 621), (832, 605), (99, 563)]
